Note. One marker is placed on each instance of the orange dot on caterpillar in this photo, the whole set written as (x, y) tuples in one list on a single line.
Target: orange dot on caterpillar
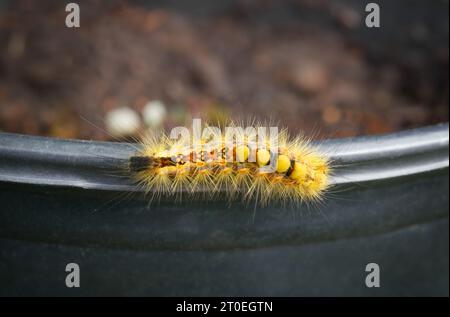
[(262, 157)]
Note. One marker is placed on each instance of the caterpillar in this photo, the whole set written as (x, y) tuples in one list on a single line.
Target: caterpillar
[(245, 164)]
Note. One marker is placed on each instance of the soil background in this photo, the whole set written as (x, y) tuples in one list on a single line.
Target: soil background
[(312, 66)]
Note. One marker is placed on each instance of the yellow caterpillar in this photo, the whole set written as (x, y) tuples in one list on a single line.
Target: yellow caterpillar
[(243, 166)]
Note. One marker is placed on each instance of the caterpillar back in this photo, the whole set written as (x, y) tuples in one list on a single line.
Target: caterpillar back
[(245, 164)]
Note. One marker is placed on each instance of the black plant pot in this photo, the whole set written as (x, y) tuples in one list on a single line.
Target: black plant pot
[(60, 203)]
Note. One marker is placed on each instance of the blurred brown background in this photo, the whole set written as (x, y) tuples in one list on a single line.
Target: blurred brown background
[(310, 65)]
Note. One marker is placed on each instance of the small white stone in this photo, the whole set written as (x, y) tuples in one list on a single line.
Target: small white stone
[(122, 121), (154, 113)]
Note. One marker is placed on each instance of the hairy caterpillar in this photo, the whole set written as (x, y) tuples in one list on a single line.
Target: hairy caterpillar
[(240, 163)]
